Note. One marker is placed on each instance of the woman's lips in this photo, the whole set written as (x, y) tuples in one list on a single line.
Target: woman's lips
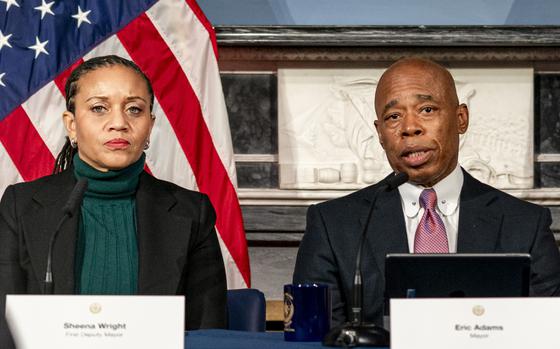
[(117, 143), (417, 158)]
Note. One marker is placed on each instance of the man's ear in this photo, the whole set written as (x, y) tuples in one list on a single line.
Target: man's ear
[(462, 118), (69, 121), (376, 123)]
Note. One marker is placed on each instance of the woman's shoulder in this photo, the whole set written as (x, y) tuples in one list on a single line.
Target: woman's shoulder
[(53, 182), (159, 185), (43, 191)]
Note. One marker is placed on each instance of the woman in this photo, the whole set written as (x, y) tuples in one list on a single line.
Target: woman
[(134, 234)]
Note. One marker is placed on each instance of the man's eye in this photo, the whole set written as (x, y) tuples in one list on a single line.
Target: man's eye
[(391, 117), (428, 109)]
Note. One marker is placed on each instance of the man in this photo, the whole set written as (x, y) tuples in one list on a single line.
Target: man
[(441, 209)]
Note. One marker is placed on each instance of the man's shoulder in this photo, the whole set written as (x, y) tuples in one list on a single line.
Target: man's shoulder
[(509, 203), (358, 198), (514, 205)]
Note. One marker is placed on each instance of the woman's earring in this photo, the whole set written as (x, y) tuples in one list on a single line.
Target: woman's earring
[(73, 143), (147, 145)]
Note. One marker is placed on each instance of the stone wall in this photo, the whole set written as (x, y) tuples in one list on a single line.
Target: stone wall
[(294, 95)]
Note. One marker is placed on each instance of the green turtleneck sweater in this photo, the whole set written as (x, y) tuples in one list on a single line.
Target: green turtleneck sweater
[(106, 250)]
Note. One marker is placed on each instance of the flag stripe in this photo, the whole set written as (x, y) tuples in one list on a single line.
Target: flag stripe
[(234, 278), (25, 147), (201, 70), (10, 174), (207, 25), (44, 110), (166, 157), (60, 80), (182, 108)]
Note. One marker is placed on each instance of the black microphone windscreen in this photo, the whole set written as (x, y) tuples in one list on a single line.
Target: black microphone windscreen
[(75, 198), (396, 180)]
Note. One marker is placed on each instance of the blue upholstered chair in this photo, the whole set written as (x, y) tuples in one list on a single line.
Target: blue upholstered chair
[(246, 310)]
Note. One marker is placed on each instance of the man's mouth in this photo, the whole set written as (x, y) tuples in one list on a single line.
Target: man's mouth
[(417, 157)]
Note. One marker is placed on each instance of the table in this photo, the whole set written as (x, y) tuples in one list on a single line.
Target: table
[(218, 339)]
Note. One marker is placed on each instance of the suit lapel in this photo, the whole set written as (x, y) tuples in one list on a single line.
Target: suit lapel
[(480, 218), (386, 232), (40, 223), (162, 238)]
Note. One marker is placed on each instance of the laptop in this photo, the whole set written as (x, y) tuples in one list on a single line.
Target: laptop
[(457, 275)]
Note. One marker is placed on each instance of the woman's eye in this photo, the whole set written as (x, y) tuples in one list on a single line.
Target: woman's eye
[(98, 109), (134, 110)]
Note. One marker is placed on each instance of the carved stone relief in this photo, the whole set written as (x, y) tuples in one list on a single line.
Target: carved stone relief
[(327, 139)]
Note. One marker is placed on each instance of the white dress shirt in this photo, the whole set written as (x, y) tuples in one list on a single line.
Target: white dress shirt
[(448, 191)]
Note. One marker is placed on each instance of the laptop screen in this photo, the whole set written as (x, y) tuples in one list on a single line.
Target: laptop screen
[(457, 275)]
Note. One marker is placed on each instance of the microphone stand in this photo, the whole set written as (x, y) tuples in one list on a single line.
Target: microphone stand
[(357, 332), (69, 208), (48, 287)]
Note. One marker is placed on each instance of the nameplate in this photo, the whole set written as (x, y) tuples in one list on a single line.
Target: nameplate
[(482, 323), (99, 322)]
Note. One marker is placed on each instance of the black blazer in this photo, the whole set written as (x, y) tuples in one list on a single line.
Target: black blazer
[(178, 249), (489, 221)]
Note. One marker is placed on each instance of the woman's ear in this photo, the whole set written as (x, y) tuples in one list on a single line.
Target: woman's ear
[(152, 123), (68, 119)]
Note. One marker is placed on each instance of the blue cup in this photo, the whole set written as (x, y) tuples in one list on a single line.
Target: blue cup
[(307, 312)]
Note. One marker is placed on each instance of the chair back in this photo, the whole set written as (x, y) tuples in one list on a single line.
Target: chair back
[(246, 310)]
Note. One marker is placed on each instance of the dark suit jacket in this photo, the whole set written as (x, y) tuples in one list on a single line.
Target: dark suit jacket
[(178, 249), (489, 221)]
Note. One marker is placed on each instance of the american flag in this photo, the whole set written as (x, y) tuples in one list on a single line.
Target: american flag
[(41, 42)]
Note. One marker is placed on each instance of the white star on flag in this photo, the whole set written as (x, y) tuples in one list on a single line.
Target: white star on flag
[(81, 16), (10, 3), (45, 8), (39, 47), (4, 40), (1, 77)]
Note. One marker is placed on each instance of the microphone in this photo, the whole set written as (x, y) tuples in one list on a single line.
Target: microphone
[(356, 332), (69, 209)]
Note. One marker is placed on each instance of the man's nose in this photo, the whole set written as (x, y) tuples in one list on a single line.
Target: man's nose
[(411, 126)]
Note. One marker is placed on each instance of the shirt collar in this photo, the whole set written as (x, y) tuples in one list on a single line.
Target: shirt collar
[(447, 190)]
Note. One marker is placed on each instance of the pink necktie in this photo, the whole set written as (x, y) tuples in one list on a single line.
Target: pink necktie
[(430, 235)]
